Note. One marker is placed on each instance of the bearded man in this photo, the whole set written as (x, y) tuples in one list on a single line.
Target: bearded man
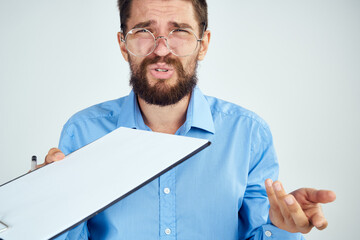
[(225, 191)]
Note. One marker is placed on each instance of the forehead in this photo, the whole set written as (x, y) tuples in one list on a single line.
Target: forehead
[(162, 12)]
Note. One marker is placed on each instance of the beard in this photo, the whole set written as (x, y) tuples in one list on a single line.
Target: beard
[(161, 93)]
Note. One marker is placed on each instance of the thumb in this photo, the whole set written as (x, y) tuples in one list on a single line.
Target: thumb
[(320, 196)]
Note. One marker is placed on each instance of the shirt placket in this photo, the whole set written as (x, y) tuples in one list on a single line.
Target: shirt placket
[(167, 206)]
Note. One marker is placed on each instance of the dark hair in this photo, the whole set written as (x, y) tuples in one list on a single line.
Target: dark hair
[(200, 7)]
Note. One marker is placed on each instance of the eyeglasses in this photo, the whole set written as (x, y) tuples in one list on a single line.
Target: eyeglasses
[(181, 42)]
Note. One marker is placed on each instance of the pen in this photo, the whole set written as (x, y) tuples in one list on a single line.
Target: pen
[(33, 163)]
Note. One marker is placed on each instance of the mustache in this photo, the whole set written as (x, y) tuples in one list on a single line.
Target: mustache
[(167, 59)]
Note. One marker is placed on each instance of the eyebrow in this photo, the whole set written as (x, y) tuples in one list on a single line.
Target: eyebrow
[(181, 25), (151, 22), (144, 24)]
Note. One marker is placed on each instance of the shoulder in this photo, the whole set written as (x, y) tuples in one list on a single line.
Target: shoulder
[(233, 112), (100, 110), (105, 112), (90, 124)]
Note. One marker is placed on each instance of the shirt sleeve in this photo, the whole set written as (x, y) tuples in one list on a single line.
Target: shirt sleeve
[(67, 145), (270, 232), (254, 212), (79, 232), (67, 142)]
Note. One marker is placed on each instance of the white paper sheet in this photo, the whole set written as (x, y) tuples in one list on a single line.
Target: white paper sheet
[(49, 200)]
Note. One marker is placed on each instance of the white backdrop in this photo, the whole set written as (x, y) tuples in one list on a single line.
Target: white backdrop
[(295, 63)]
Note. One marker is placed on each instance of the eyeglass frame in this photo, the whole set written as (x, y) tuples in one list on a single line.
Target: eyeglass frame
[(166, 40)]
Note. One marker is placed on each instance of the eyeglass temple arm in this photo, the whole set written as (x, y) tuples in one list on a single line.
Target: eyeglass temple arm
[(121, 37), (203, 31), (122, 26)]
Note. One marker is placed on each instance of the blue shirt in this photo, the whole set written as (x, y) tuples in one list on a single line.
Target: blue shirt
[(217, 194)]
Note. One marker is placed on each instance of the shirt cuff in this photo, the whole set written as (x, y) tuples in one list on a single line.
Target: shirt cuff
[(270, 232)]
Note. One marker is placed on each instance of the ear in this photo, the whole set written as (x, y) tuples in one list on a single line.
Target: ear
[(204, 45), (123, 49)]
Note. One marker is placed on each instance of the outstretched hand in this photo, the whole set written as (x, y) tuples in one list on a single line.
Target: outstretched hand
[(298, 211)]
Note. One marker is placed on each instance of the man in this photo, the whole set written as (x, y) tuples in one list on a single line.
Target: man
[(217, 194)]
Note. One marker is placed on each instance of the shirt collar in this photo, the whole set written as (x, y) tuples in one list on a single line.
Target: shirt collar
[(198, 113), (130, 114)]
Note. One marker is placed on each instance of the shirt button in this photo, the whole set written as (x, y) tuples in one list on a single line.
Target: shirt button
[(166, 190), (167, 231), (268, 233)]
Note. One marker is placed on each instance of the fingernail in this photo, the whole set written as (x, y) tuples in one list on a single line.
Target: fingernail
[(269, 182), (58, 154), (319, 225), (289, 200), (277, 186)]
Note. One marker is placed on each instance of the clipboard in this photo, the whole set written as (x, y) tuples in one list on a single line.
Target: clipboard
[(46, 202)]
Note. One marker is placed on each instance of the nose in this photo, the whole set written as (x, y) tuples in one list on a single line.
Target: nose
[(161, 48)]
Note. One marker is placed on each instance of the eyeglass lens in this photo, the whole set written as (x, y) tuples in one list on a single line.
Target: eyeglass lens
[(141, 42)]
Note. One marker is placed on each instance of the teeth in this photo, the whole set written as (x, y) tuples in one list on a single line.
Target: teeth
[(161, 70)]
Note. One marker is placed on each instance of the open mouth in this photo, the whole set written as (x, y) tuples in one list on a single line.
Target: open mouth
[(161, 70)]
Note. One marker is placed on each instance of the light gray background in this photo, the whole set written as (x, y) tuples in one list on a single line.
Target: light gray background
[(295, 63)]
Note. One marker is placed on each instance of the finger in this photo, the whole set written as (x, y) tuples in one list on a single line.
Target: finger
[(270, 193), (299, 217), (40, 165), (275, 213), (320, 196), (317, 218), (54, 155), (319, 221), (280, 195)]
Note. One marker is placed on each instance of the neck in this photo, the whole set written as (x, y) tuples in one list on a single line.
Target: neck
[(164, 119)]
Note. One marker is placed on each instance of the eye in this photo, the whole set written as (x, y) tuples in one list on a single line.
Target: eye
[(182, 30), (141, 31)]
